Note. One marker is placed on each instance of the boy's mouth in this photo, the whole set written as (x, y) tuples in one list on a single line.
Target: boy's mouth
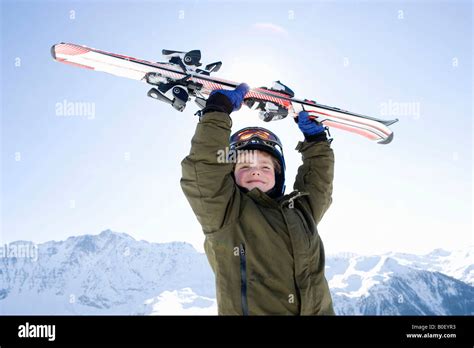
[(255, 181)]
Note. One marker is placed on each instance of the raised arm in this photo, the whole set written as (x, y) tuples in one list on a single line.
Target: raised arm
[(206, 175), (316, 174)]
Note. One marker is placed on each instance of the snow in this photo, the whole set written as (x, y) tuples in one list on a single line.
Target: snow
[(458, 264), (362, 274), (342, 268), (182, 302), (367, 263)]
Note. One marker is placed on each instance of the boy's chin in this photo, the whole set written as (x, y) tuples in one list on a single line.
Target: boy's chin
[(260, 187)]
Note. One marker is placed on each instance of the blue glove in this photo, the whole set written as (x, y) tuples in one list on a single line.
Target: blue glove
[(311, 129), (226, 100)]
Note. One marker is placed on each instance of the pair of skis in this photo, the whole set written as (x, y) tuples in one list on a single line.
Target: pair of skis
[(179, 79)]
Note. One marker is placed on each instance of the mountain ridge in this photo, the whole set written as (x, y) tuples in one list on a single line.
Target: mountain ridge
[(112, 273)]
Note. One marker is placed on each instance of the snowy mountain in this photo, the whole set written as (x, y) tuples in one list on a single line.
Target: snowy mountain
[(112, 273), (109, 273), (397, 284), (458, 264)]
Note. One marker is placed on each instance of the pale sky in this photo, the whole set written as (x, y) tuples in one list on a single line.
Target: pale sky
[(119, 166)]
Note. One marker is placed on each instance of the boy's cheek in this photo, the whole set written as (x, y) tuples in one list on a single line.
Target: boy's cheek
[(238, 178)]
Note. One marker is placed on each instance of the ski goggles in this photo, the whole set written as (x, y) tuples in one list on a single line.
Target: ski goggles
[(255, 135)]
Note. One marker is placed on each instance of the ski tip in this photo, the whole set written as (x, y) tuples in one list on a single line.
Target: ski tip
[(54, 47), (53, 51), (388, 123), (387, 140)]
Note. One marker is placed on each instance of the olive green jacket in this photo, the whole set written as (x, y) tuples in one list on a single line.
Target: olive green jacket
[(266, 254)]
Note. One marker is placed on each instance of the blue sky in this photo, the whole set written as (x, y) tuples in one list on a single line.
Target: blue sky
[(120, 169)]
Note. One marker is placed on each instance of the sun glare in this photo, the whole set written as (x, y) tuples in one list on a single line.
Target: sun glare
[(255, 71)]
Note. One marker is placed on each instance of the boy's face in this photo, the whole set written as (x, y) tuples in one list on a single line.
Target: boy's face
[(256, 171)]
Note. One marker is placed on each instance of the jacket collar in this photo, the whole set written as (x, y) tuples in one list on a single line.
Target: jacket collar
[(263, 199), (290, 198)]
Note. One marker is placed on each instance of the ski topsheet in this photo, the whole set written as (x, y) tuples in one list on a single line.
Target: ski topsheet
[(174, 75)]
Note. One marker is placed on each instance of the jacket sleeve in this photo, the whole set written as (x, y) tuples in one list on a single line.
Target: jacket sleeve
[(316, 175), (206, 181)]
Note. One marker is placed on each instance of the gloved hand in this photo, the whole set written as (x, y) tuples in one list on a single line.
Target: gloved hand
[(226, 100), (312, 130)]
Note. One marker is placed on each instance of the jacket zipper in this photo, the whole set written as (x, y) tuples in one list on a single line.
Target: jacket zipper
[(243, 280)]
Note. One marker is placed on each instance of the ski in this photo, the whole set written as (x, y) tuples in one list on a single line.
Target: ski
[(177, 81)]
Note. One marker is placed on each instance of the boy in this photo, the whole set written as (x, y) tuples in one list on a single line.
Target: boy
[(262, 245)]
